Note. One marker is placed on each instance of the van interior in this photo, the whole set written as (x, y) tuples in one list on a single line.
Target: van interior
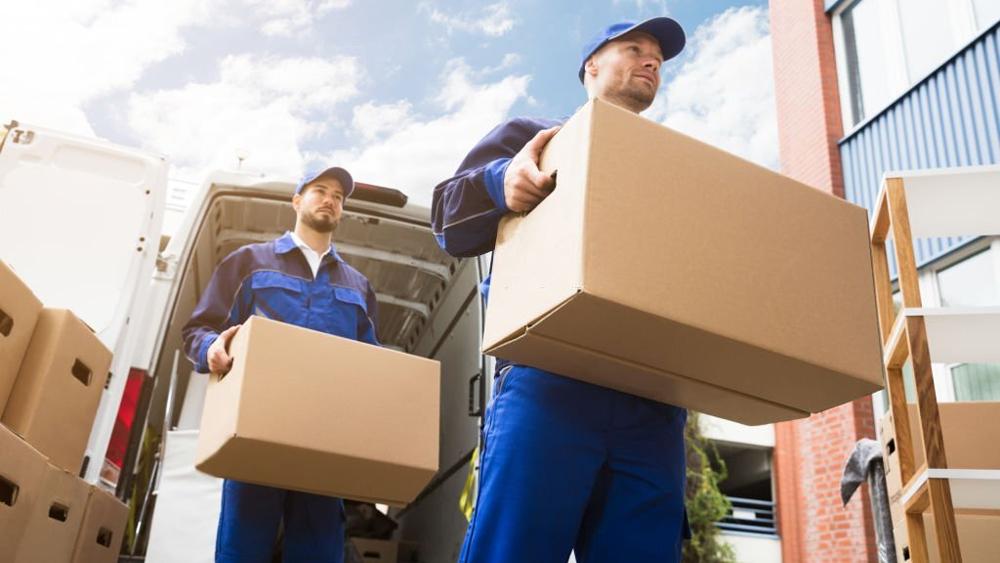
[(428, 304)]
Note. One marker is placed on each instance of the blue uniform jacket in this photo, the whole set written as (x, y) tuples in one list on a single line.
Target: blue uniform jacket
[(273, 279), (467, 207)]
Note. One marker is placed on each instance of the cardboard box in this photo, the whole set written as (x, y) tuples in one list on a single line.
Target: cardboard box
[(965, 438), (58, 388), (377, 551), (667, 268), (102, 530), (22, 476), (308, 411), (19, 309), (55, 518), (977, 538)]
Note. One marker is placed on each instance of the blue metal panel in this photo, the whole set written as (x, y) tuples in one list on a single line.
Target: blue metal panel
[(951, 118)]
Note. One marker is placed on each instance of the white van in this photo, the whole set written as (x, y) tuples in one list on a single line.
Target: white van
[(81, 219)]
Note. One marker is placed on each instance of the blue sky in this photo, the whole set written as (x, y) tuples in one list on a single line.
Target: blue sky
[(396, 91)]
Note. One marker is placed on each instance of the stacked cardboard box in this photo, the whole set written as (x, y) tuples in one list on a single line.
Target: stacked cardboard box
[(308, 411), (666, 268), (19, 309), (22, 481), (963, 432), (58, 388), (966, 438), (55, 518), (377, 551), (978, 537), (102, 529), (52, 372)]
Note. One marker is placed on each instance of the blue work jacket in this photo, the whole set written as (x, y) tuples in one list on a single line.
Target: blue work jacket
[(273, 279)]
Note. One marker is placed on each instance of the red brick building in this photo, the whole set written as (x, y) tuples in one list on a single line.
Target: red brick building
[(888, 106)]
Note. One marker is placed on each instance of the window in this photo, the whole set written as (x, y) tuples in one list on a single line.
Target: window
[(976, 382), (885, 46), (865, 58), (928, 38), (972, 283)]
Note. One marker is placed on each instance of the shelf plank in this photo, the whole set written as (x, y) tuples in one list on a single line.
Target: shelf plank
[(952, 201), (961, 334), (971, 489)]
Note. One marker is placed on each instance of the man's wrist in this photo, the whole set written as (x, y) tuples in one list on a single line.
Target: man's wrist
[(494, 176)]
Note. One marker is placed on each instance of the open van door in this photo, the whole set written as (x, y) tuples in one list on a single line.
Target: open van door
[(80, 222)]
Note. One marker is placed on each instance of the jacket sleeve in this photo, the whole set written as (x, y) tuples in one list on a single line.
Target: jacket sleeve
[(224, 303), (467, 207)]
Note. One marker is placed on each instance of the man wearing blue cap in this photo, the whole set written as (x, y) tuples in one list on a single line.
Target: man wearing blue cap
[(300, 279), (566, 465)]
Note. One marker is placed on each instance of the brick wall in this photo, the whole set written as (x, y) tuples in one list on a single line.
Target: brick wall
[(810, 454)]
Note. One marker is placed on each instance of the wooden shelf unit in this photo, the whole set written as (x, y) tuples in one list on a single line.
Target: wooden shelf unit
[(933, 203)]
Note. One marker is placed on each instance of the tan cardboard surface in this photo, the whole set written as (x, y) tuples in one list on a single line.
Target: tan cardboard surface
[(978, 538), (19, 309), (22, 475), (377, 551), (707, 266), (55, 519), (588, 365), (103, 528), (970, 430), (58, 388), (309, 411)]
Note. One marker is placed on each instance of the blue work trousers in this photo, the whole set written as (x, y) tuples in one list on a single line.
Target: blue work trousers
[(248, 525), (568, 465)]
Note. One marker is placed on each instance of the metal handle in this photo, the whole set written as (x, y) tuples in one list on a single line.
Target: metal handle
[(475, 396)]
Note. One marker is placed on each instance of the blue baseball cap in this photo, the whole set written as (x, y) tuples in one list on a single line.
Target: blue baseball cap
[(668, 32), (335, 172)]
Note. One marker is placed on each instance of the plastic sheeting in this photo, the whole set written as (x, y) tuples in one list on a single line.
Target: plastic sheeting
[(865, 464), (187, 506)]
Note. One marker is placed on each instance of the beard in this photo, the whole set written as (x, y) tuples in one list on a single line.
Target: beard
[(637, 97), (320, 223)]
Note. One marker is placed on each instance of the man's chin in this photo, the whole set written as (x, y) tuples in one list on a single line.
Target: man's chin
[(322, 224)]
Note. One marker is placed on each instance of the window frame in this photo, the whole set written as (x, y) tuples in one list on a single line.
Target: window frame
[(963, 26)]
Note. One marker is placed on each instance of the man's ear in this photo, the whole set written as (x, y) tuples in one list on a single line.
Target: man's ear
[(296, 201), (590, 67)]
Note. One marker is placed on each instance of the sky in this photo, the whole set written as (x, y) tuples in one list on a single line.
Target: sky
[(397, 92)]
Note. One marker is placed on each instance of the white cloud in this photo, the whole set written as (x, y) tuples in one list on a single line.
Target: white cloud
[(417, 155), (60, 54), (287, 17), (371, 120), (493, 20), (657, 6), (263, 107), (724, 93)]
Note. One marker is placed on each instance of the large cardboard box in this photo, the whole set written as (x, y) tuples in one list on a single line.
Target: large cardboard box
[(978, 538), (308, 411), (58, 388), (667, 268), (102, 530), (969, 442), (377, 551), (19, 309), (22, 476), (55, 518)]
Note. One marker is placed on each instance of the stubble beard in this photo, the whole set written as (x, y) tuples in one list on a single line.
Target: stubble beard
[(636, 98), (320, 224)]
